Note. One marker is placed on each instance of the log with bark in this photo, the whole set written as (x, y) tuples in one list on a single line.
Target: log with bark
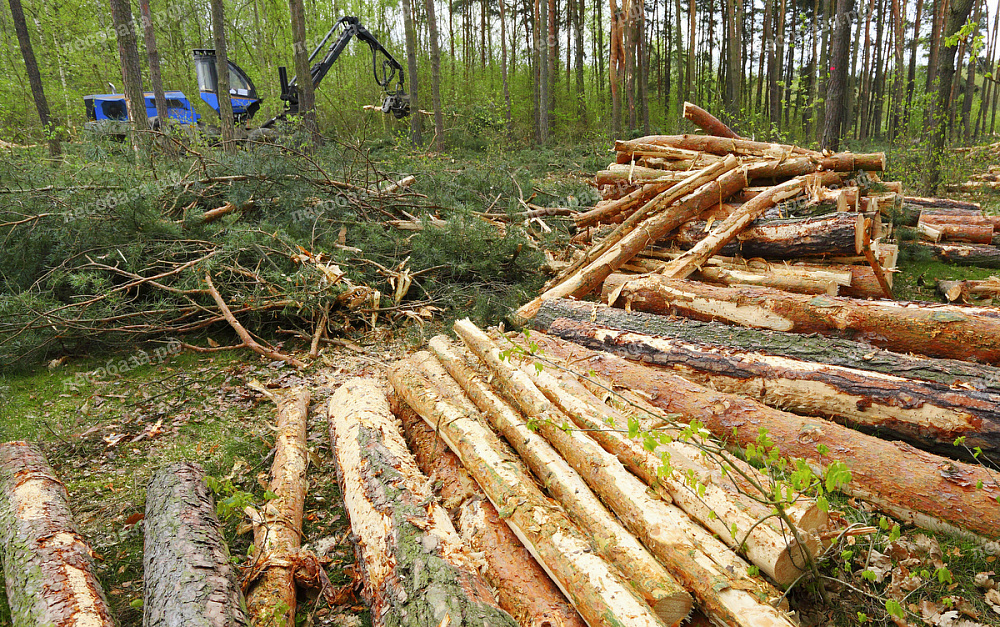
[(967, 229), (524, 590), (721, 146), (277, 528), (964, 291), (836, 234), (951, 373), (633, 238), (415, 567), (756, 272), (931, 416), (47, 565), (729, 228), (666, 157), (601, 595), (635, 174), (607, 211), (915, 486), (686, 550), (188, 576), (457, 381), (966, 254), (708, 122), (941, 203), (927, 329)]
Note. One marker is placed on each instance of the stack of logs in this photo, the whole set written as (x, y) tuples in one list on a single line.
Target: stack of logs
[(734, 211)]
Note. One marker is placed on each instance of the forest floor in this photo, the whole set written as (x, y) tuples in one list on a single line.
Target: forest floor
[(105, 437)]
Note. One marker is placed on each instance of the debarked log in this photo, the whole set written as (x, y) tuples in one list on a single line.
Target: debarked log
[(964, 290), (597, 590), (47, 564), (708, 122), (924, 328), (415, 567), (950, 373), (458, 381), (524, 590), (915, 486), (932, 416), (277, 529), (188, 575)]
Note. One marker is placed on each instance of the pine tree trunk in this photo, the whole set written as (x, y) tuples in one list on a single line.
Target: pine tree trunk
[(415, 568), (34, 77), (416, 119), (226, 122), (278, 530), (432, 33), (153, 55), (189, 578), (128, 53), (837, 86), (922, 328), (524, 590), (47, 564)]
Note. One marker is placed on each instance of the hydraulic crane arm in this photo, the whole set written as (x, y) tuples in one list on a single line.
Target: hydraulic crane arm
[(396, 100)]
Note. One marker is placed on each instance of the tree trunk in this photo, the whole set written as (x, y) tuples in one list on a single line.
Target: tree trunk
[(917, 487), (836, 234), (966, 255), (837, 85), (928, 415), (963, 291), (615, 67), (970, 81), (544, 80), (922, 328), (524, 590), (47, 564), (957, 16), (189, 578), (415, 567), (278, 529), (943, 373), (455, 378), (599, 592), (508, 112), (432, 33), (410, 33), (128, 53), (34, 77), (226, 121), (153, 56)]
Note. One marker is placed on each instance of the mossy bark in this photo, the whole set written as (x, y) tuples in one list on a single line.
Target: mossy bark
[(416, 570), (47, 564), (189, 577)]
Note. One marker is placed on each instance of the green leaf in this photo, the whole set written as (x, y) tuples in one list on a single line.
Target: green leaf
[(893, 607), (868, 575)]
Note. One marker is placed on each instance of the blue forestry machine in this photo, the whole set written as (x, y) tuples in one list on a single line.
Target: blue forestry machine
[(107, 113)]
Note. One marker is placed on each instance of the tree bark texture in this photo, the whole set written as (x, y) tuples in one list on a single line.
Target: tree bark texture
[(836, 234), (926, 329), (457, 378), (277, 534), (931, 416), (226, 121), (950, 373), (524, 590), (128, 53), (966, 254), (188, 576), (34, 76), (47, 564), (598, 591), (915, 486), (416, 569)]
